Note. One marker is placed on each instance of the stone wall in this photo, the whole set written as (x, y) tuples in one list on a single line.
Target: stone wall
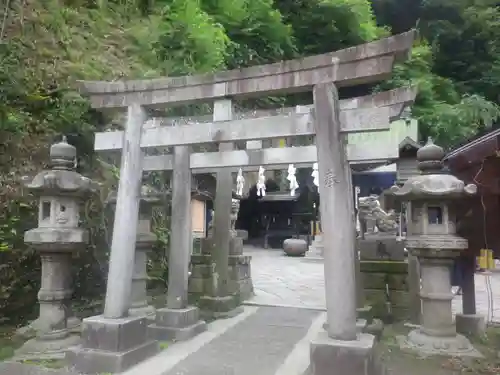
[(240, 278), (376, 275), (384, 272)]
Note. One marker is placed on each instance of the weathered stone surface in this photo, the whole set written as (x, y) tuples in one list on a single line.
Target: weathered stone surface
[(181, 241), (240, 281), (432, 237), (471, 325), (396, 310), (346, 357), (381, 247), (112, 345), (380, 280), (205, 259), (295, 247), (176, 324), (316, 249), (219, 307), (365, 63), (145, 239), (36, 348), (384, 267), (243, 234), (376, 328), (453, 345), (372, 216), (60, 191), (236, 246), (207, 244), (89, 361), (200, 271), (15, 368), (365, 312), (377, 276), (113, 335)]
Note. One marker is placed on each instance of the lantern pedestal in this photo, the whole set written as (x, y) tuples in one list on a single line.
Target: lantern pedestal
[(437, 335), (53, 334), (455, 346)]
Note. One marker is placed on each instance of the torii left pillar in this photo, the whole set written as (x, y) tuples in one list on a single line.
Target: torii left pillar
[(115, 341)]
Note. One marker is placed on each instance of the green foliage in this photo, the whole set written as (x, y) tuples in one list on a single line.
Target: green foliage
[(442, 111), (189, 40), (465, 36), (322, 26), (257, 32), (460, 74)]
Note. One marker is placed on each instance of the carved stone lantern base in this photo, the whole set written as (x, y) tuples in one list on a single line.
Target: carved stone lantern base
[(29, 331), (437, 335), (46, 348), (53, 334), (453, 346)]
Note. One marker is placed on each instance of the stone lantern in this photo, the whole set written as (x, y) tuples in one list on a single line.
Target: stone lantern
[(432, 238), (60, 191), (144, 243)]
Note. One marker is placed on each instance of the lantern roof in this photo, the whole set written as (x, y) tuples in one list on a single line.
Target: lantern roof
[(61, 179), (62, 155), (432, 182)]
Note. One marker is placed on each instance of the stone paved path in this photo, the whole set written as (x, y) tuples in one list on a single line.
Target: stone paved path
[(257, 345), (286, 281), (262, 340)]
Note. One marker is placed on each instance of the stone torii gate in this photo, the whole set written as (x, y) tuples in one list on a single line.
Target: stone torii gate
[(115, 341), (353, 119)]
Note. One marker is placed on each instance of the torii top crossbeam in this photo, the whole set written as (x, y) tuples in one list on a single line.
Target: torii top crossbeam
[(366, 63), (376, 110)]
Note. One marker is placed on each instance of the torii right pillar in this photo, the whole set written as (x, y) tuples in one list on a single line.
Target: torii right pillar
[(340, 349)]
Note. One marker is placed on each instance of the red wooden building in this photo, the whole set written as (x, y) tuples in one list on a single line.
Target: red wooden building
[(479, 162)]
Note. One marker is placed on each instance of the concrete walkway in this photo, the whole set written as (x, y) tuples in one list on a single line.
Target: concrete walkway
[(261, 340), (285, 281)]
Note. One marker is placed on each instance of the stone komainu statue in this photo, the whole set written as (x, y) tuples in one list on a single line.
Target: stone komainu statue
[(372, 216), (235, 207)]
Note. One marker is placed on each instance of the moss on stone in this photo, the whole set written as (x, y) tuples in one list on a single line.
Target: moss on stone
[(384, 266)]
